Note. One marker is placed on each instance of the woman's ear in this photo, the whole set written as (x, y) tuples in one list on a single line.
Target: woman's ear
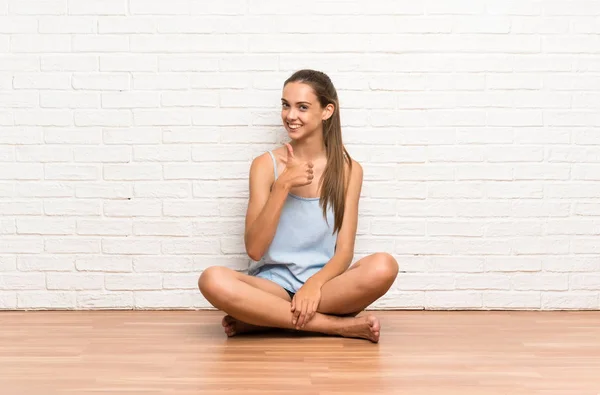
[(328, 112)]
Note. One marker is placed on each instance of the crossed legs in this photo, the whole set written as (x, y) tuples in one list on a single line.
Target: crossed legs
[(256, 303)]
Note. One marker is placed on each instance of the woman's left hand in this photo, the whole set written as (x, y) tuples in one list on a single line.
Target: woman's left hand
[(305, 303)]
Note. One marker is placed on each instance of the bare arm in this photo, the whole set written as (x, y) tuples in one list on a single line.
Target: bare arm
[(264, 207)]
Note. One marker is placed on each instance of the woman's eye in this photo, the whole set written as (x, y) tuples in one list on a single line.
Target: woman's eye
[(303, 108)]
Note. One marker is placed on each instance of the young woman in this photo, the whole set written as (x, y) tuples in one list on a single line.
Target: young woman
[(300, 230)]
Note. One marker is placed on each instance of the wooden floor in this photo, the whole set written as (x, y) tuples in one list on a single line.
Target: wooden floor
[(186, 352)]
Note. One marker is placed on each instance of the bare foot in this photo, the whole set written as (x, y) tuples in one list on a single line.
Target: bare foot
[(236, 327), (367, 327)]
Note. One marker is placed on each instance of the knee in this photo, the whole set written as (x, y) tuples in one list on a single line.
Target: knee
[(213, 282), (384, 269)]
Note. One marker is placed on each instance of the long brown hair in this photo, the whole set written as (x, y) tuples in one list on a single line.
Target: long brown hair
[(334, 180)]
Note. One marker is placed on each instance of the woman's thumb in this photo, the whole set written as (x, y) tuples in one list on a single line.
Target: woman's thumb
[(290, 150)]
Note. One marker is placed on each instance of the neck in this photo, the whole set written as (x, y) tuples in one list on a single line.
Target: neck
[(311, 148)]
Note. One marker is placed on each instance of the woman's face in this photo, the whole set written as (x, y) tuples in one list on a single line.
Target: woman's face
[(301, 111)]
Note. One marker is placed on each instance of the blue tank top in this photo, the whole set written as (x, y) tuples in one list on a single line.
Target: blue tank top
[(303, 243)]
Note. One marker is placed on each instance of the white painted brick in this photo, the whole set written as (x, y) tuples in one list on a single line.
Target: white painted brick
[(21, 245), (162, 190), (585, 172), (74, 281), (162, 264), (104, 227), (133, 208), (570, 300), (25, 207), (514, 190), (572, 190), (67, 24), (8, 300), (103, 118), (455, 228), (128, 63), (589, 282), (40, 43), (483, 281), (46, 300), (449, 300), (457, 264), (133, 281), (220, 189), (485, 136), (154, 7), (162, 299), (197, 99), (101, 81), (130, 246), (516, 228), (178, 43), (38, 7), (44, 153), (147, 135), (568, 264), (7, 227), (21, 171), (506, 300), (540, 282), (190, 208), (427, 282), (432, 246), (451, 190), (586, 209), (18, 100), (394, 190), (97, 7), (100, 43), (190, 246), (180, 281), (162, 117), (126, 24), (102, 263), (476, 172), (542, 172), (55, 80), (71, 208), (8, 263), (162, 228), (104, 300), (194, 63), (45, 226), (71, 172), (23, 63), (72, 245), (105, 190), (83, 136), (113, 154), (132, 172), (585, 246), (477, 128), (66, 99), (43, 263), (398, 228)]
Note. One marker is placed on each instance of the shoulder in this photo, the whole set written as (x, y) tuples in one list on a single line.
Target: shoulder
[(355, 170), (262, 168)]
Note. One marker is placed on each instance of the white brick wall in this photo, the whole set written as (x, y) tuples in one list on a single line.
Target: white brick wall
[(127, 128)]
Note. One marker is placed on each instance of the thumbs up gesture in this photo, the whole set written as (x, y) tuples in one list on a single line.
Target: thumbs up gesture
[(297, 173)]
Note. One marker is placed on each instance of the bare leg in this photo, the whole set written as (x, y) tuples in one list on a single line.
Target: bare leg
[(365, 282), (254, 306), (234, 326)]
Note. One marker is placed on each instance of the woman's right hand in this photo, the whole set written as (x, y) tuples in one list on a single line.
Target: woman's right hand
[(296, 173)]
